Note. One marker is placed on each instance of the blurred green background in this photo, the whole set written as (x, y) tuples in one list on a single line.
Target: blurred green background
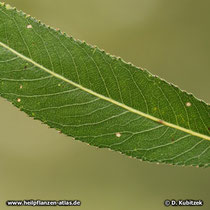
[(170, 39)]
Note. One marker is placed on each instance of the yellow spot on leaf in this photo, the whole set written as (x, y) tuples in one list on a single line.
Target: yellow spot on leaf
[(18, 100), (155, 109), (118, 134), (8, 7), (29, 26), (188, 104)]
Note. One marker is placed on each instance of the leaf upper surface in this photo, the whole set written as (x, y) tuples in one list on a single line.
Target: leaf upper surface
[(97, 98)]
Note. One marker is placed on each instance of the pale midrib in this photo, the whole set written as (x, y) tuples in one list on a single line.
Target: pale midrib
[(106, 98)]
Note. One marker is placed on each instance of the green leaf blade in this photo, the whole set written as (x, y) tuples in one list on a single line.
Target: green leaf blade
[(96, 98)]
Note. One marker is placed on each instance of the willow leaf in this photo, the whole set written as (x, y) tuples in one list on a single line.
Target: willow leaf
[(97, 98)]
